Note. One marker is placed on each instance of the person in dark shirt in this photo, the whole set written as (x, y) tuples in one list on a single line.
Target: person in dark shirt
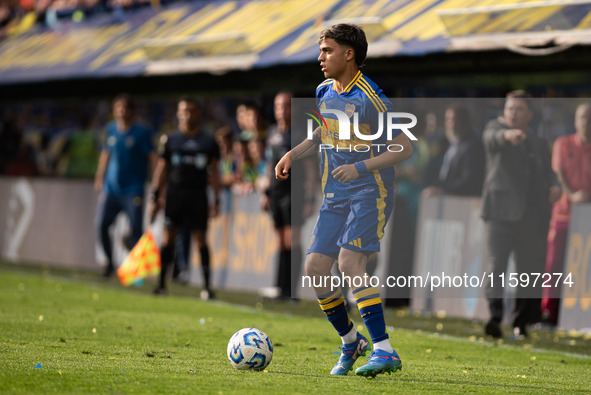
[(518, 190), (282, 200), (188, 163)]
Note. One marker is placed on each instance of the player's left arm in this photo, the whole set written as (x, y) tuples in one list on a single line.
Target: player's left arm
[(302, 150), (403, 151)]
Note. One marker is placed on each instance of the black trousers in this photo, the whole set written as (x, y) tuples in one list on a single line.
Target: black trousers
[(526, 239)]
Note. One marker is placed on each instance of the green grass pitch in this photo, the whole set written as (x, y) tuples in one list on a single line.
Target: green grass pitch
[(65, 335)]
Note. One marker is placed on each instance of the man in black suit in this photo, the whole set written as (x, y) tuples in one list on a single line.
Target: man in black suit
[(518, 190)]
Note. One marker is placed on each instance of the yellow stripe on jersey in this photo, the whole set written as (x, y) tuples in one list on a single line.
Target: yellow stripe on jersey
[(353, 82), (381, 206), (380, 104), (362, 83), (325, 172), (325, 82), (380, 203), (379, 181), (369, 96)]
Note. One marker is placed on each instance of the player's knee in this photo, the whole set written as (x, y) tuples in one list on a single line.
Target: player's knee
[(351, 263), (310, 268), (314, 268), (345, 266)]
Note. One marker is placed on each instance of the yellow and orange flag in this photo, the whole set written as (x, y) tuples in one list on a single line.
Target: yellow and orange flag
[(143, 261)]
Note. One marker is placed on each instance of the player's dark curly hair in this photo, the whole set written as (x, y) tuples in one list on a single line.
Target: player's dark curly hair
[(350, 35)]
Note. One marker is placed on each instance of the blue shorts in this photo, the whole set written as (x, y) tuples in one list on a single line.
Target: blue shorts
[(356, 223)]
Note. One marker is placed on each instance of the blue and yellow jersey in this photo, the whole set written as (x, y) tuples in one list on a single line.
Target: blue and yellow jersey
[(364, 100)]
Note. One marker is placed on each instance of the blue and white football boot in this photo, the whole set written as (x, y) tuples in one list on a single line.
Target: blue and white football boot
[(349, 354), (380, 361)]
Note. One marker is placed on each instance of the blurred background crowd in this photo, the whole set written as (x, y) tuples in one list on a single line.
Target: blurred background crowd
[(47, 139), (18, 16), (63, 139)]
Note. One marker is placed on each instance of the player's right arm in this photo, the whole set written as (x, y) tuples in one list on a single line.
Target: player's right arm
[(302, 150)]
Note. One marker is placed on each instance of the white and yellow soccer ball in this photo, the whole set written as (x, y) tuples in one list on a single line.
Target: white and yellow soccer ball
[(250, 349)]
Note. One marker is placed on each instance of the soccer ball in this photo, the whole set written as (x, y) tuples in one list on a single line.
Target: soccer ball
[(250, 349)]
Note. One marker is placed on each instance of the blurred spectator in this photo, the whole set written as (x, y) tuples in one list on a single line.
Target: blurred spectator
[(40, 130), (250, 149), (248, 167), (122, 173), (571, 161), (9, 139), (17, 155), (436, 143), (41, 7), (256, 150), (17, 17), (462, 170), (225, 140), (410, 177), (71, 10), (256, 122), (81, 150), (518, 190), (251, 122), (241, 118), (6, 16), (10, 14)]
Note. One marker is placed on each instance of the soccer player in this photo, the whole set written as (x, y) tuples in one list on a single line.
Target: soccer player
[(358, 188), (188, 161)]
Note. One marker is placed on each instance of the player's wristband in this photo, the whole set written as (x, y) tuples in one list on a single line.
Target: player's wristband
[(361, 167)]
